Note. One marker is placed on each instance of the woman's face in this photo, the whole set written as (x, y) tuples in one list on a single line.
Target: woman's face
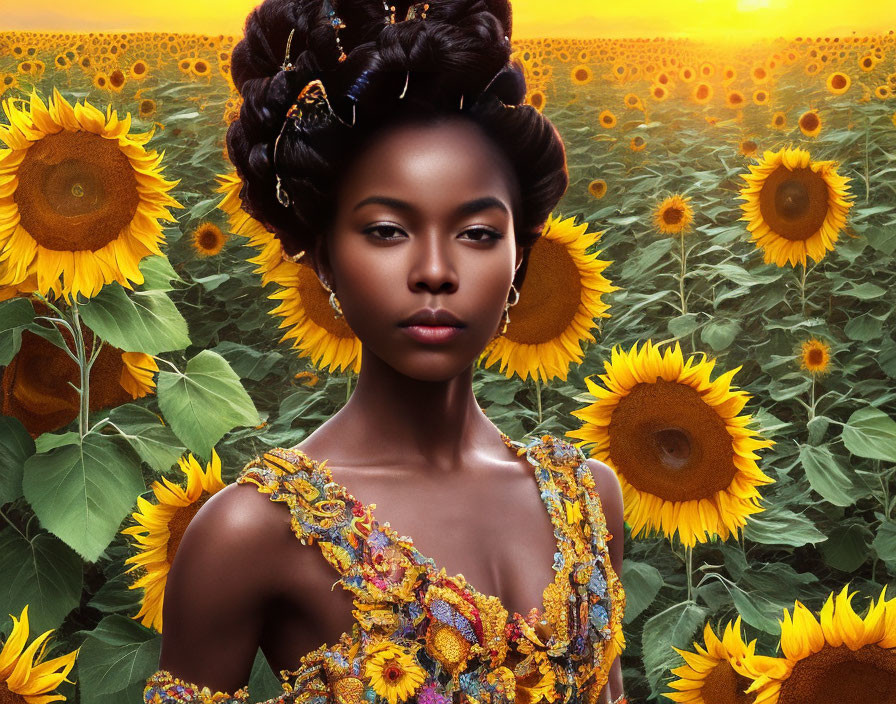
[(424, 221)]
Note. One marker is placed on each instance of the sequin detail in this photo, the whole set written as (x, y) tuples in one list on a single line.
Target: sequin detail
[(421, 634)]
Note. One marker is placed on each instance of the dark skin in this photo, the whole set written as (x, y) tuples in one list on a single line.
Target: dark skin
[(411, 439)]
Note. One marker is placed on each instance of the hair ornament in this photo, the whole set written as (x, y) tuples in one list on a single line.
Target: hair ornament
[(311, 106), (336, 23)]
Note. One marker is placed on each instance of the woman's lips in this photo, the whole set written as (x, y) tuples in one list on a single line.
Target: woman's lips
[(432, 334)]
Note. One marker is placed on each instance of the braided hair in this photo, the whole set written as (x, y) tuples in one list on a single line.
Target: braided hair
[(461, 49)]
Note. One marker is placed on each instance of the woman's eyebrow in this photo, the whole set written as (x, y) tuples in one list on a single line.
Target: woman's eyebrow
[(469, 208)]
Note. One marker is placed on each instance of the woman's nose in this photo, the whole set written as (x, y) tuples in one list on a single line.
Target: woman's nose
[(433, 266)]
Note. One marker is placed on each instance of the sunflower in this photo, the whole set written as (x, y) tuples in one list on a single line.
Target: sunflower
[(80, 198), (581, 75), (598, 188), (761, 96), (161, 527), (392, 670), (560, 297), (815, 356), (139, 70), (638, 143), (39, 385), (810, 123), (537, 100), (838, 83), (883, 92), (673, 215), (832, 658), (735, 99), (794, 206), (759, 74), (26, 678), (779, 120), (607, 119), (702, 93), (684, 458), (306, 312), (147, 108), (748, 147), (208, 239), (659, 92), (867, 63), (718, 673), (307, 378), (633, 102)]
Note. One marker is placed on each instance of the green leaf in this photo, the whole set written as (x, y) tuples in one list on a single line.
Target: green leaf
[(864, 292), (154, 441), (158, 273), (864, 328), (683, 324), (885, 543), (741, 276), (826, 476), (16, 446), (16, 315), (642, 584), (846, 548), (780, 526), (817, 427), (211, 282), (43, 573), (252, 364), (146, 321), (81, 492), (871, 433), (118, 653), (756, 609), (719, 334), (205, 402), (675, 626)]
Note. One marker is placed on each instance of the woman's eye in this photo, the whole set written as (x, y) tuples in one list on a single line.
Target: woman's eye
[(484, 231), (382, 228)]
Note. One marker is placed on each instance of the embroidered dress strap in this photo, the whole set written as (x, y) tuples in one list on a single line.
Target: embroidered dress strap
[(342, 526)]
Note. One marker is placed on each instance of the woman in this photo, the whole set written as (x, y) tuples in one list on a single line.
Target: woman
[(411, 179)]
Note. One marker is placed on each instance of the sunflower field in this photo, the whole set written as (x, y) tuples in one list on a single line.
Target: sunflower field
[(710, 312)]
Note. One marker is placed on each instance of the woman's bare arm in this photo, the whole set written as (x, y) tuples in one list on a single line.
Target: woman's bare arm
[(608, 488), (213, 611)]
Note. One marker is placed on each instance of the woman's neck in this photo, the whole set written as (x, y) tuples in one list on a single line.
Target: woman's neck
[(390, 416)]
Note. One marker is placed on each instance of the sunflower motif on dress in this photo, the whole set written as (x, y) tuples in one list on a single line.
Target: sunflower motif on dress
[(684, 457), (304, 307), (561, 296), (80, 198)]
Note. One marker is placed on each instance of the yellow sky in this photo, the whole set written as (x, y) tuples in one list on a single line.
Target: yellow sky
[(742, 19)]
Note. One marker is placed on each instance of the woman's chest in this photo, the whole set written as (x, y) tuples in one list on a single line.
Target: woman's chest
[(498, 534)]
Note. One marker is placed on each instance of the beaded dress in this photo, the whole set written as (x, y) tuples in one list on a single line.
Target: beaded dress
[(425, 637)]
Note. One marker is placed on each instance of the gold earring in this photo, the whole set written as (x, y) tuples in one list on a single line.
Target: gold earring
[(506, 314), (294, 258)]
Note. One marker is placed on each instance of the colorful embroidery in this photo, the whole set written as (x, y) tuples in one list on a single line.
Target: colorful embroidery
[(421, 633)]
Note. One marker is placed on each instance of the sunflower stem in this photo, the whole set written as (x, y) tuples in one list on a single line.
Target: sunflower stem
[(538, 396), (84, 367), (689, 560), (803, 288), (867, 169), (812, 399), (15, 527), (348, 386)]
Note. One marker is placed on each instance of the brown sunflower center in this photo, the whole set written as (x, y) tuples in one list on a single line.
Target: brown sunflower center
[(77, 191), (177, 526), (842, 676), (838, 81), (723, 685), (673, 215), (549, 297), (815, 357), (209, 239), (581, 75), (667, 441), (809, 121), (315, 302), (392, 672), (794, 203)]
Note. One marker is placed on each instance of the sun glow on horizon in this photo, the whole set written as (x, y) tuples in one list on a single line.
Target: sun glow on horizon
[(698, 19)]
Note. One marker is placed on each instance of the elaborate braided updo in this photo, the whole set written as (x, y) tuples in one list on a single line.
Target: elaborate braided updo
[(458, 50)]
